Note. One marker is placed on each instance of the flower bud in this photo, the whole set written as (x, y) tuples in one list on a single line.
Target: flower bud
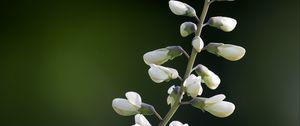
[(211, 80), (224, 23), (227, 51), (187, 28), (197, 43), (220, 109), (129, 106), (180, 8), (214, 105), (193, 85), (177, 123), (140, 120), (160, 74), (162, 55)]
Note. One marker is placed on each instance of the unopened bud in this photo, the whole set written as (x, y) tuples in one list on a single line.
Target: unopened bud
[(227, 51), (197, 43), (226, 24), (187, 28), (211, 80), (180, 8)]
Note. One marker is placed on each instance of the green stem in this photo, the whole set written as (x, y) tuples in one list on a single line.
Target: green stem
[(189, 67)]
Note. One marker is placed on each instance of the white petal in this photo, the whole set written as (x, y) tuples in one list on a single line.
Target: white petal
[(156, 74), (177, 123), (134, 98), (231, 52), (220, 109), (177, 7), (190, 80), (212, 80), (170, 100), (123, 107), (157, 57), (194, 90), (215, 99), (170, 90), (141, 120)]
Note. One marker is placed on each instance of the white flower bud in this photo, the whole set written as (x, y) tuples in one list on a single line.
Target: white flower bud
[(224, 23), (231, 52), (211, 80), (162, 55), (180, 8), (227, 51), (217, 107), (197, 43), (129, 106), (160, 74), (140, 120), (187, 28), (177, 123), (157, 57), (193, 85)]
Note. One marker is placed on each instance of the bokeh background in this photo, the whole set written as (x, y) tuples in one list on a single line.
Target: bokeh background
[(63, 61)]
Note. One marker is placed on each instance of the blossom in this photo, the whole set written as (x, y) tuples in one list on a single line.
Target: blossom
[(226, 24), (129, 106), (217, 107), (162, 55), (211, 80), (160, 73), (177, 123), (140, 120), (231, 52), (193, 85)]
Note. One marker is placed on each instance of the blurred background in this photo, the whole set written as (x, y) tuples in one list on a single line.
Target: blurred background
[(63, 61)]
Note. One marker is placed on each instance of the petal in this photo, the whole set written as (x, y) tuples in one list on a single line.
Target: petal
[(157, 57), (215, 99), (134, 98), (194, 90), (157, 74), (123, 107), (177, 123), (141, 120), (170, 90), (220, 109)]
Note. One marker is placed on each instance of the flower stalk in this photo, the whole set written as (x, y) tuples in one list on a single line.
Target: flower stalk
[(189, 67)]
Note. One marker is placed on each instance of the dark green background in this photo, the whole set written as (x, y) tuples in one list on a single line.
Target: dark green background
[(62, 62)]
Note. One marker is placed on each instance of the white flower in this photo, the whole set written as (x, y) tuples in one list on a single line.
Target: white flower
[(217, 107), (180, 8), (224, 23), (160, 74), (160, 56), (211, 80), (193, 85), (170, 99), (173, 94), (177, 123), (231, 52), (197, 43), (140, 120), (187, 28), (129, 106), (157, 57)]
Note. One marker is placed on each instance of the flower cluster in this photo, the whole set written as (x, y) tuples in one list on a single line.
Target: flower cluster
[(191, 86)]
